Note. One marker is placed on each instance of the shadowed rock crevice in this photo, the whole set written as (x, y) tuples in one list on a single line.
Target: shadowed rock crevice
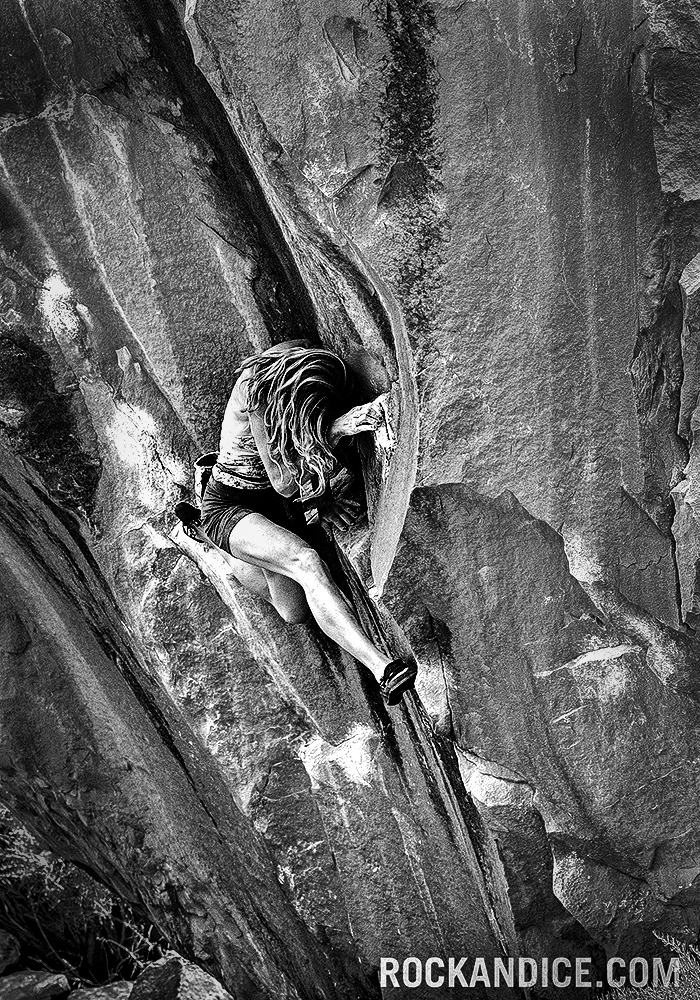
[(282, 296), (357, 310), (39, 423)]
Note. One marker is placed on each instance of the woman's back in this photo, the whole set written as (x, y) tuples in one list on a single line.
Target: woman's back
[(239, 463)]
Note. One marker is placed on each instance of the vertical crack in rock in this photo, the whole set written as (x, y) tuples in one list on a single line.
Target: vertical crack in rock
[(397, 762), (400, 465), (472, 837), (685, 615), (296, 317), (353, 304), (664, 366), (411, 194), (686, 529)]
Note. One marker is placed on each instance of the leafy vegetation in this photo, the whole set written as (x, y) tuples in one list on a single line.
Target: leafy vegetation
[(65, 920)]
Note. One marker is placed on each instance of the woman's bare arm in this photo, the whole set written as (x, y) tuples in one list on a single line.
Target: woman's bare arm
[(367, 417), (281, 480)]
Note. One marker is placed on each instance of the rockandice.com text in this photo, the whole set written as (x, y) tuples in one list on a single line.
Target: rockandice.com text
[(467, 973)]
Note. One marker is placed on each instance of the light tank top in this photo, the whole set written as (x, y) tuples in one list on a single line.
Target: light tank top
[(239, 463)]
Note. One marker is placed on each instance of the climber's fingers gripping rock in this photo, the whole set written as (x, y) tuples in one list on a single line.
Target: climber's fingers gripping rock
[(342, 513), (367, 417)]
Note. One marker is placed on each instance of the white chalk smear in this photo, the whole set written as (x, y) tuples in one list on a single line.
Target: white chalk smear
[(353, 755)]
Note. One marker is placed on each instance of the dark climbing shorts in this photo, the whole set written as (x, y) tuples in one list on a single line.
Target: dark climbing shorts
[(224, 506)]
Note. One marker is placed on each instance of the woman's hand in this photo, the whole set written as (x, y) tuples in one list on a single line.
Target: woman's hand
[(341, 514), (367, 417)]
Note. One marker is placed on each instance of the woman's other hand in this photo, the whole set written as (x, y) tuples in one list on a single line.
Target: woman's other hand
[(341, 514), (367, 417)]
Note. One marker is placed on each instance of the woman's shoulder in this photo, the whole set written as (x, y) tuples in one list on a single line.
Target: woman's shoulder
[(238, 398)]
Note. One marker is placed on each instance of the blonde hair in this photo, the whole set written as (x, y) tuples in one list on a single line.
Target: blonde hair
[(300, 391)]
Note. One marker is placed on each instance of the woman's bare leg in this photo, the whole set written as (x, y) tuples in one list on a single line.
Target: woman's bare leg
[(262, 543), (251, 577), (287, 598)]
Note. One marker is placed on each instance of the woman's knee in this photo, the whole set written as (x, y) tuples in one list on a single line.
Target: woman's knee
[(306, 563)]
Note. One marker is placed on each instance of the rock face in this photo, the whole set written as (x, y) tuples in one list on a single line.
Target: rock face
[(145, 810), (174, 979), (115, 991), (33, 986), (498, 169), (591, 744), (489, 209)]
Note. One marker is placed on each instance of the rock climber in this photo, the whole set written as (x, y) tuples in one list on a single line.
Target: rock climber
[(284, 420)]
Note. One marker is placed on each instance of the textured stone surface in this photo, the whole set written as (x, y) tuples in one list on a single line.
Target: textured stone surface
[(489, 210), (546, 927), (33, 986), (366, 810), (579, 719), (497, 167), (97, 759), (115, 991), (175, 979)]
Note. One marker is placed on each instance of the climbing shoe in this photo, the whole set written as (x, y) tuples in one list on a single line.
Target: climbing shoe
[(397, 678), (191, 518)]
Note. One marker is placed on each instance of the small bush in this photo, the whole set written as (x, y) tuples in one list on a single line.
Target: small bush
[(66, 921)]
